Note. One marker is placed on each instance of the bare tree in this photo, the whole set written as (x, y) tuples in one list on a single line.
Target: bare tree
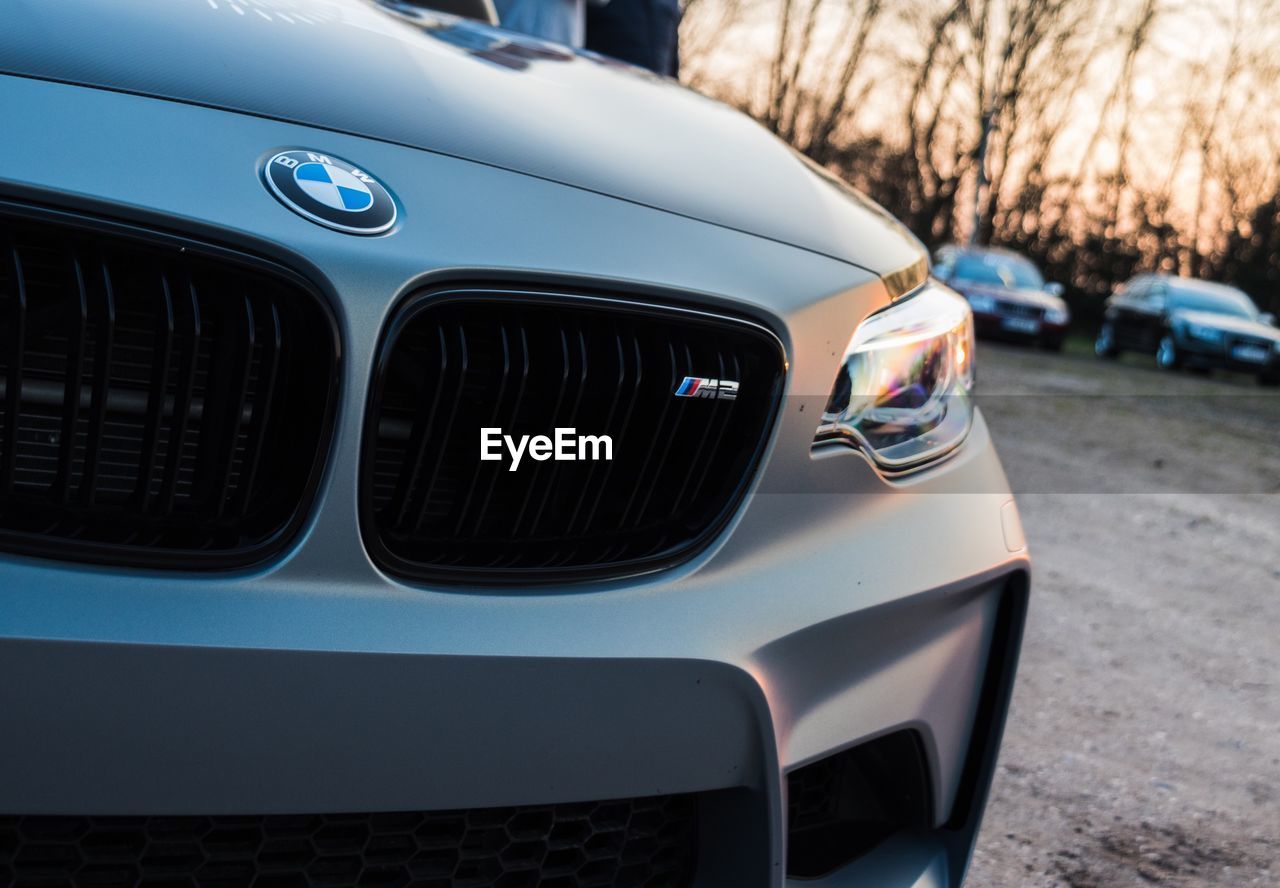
[(956, 115)]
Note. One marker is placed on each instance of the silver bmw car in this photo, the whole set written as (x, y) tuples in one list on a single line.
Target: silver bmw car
[(434, 457)]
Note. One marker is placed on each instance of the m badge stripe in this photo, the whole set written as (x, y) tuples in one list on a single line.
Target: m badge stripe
[(701, 387)]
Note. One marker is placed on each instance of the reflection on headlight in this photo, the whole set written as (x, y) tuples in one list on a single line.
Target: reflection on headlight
[(903, 392)]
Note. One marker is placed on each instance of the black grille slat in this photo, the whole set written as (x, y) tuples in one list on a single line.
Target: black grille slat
[(637, 380), (573, 391), (153, 413), (431, 509), (704, 471), (419, 435), (638, 489), (260, 418), (668, 439), (599, 469), (427, 484), (697, 461), (73, 378), (187, 364), (101, 386), (474, 482), (166, 328), (236, 362), (17, 315), (532, 489), (514, 412), (630, 843)]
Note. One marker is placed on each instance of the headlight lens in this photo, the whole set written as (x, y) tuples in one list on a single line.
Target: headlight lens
[(1056, 316), (981, 302), (903, 392), (1203, 333)]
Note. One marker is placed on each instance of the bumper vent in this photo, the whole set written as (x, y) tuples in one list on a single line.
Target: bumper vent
[(529, 363), (843, 806), (160, 404), (625, 844)]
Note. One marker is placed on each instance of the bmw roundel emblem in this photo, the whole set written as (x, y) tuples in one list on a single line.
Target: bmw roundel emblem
[(330, 191)]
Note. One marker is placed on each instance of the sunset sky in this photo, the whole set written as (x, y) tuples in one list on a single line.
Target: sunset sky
[(729, 43)]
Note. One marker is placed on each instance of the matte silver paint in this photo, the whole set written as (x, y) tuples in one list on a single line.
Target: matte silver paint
[(419, 79), (836, 606)]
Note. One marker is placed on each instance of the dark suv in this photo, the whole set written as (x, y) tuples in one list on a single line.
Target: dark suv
[(1189, 323), (1008, 295)]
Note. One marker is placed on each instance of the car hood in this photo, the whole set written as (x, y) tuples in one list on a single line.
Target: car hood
[(1228, 323), (391, 72), (1028, 296)]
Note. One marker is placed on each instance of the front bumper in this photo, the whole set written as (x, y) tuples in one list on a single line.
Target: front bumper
[(358, 698), (995, 325), (1220, 355), (837, 606)]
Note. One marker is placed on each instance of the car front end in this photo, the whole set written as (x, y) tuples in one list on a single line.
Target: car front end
[(1012, 315), (271, 612), (1217, 341)]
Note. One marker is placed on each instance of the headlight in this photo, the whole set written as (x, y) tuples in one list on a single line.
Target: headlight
[(1203, 333), (903, 392), (981, 302), (1057, 316)]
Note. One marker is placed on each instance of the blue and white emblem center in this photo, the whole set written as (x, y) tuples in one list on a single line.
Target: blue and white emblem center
[(333, 186)]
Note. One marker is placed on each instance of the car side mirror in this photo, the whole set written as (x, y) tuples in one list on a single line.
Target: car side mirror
[(1267, 318), (1053, 288)]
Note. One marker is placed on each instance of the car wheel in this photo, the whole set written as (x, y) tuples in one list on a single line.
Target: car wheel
[(1167, 357), (1269, 379), (1053, 344), (1105, 345)]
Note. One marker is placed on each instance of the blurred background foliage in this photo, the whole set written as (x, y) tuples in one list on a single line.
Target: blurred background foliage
[(1099, 137)]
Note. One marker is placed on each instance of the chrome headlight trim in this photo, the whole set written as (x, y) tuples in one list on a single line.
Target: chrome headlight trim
[(903, 395)]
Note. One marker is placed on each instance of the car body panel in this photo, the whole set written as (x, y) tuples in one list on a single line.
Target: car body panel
[(402, 75), (317, 682)]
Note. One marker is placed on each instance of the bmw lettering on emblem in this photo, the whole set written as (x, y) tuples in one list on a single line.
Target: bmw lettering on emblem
[(330, 191)]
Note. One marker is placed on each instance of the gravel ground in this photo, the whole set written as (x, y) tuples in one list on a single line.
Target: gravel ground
[(1143, 746)]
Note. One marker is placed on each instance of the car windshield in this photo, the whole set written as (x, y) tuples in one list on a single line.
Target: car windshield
[(998, 270), (1219, 300)]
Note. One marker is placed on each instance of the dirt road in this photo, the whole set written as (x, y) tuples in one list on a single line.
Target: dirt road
[(1143, 746)]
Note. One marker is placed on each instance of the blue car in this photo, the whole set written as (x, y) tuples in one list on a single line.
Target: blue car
[(1186, 323)]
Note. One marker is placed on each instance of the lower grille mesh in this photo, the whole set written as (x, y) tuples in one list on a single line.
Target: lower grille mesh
[(632, 843)]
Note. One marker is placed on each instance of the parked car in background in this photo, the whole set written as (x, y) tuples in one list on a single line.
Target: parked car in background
[(1008, 295), (1189, 323)]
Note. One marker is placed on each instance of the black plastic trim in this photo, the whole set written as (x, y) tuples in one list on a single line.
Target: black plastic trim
[(422, 300), (157, 558)]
